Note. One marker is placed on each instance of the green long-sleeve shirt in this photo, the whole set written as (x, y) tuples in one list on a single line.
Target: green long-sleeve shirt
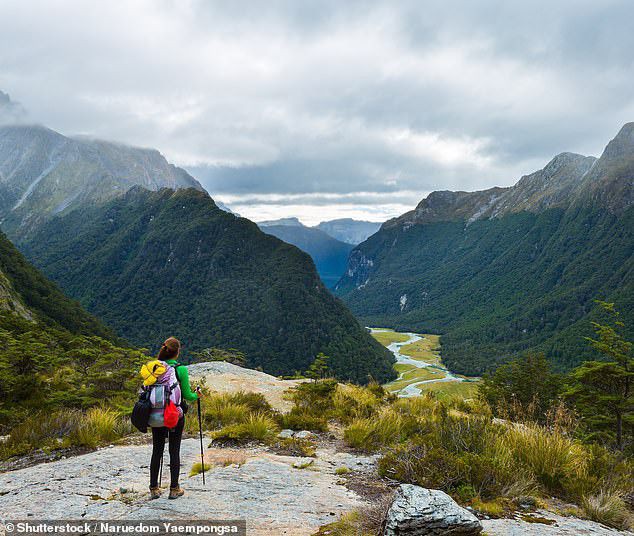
[(183, 378)]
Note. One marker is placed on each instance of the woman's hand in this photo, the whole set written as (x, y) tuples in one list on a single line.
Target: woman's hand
[(199, 392)]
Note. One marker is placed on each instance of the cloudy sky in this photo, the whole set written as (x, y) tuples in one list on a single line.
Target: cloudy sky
[(328, 109)]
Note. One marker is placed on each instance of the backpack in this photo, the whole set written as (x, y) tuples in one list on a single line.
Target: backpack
[(160, 399)]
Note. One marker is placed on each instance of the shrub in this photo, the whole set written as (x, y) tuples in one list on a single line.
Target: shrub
[(384, 429), (301, 419), (315, 397), (293, 446), (96, 426), (257, 427), (354, 402), (609, 508)]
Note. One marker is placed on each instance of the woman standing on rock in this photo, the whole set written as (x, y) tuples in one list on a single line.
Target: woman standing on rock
[(169, 353)]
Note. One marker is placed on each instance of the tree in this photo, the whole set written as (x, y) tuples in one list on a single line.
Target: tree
[(602, 389), (319, 368), (233, 356), (522, 388)]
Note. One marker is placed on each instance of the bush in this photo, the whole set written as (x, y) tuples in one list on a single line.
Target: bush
[(609, 508), (302, 419), (65, 428), (257, 427), (354, 402), (96, 426), (315, 397), (385, 428)]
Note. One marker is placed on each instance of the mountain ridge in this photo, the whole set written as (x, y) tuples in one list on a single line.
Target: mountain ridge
[(43, 173), (172, 262), (506, 270)]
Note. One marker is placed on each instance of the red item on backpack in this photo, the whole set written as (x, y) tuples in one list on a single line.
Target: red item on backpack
[(171, 415)]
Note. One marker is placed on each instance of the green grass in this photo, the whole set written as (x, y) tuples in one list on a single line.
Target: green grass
[(449, 390), (414, 374), (427, 349), (388, 337)]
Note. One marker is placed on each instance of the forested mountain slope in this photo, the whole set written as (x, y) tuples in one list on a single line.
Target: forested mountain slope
[(25, 292), (507, 270), (330, 255), (153, 264), (52, 353), (43, 173)]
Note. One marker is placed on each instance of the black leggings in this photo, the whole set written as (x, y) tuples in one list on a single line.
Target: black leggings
[(158, 446)]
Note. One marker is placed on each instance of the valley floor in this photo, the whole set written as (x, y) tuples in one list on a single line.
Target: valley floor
[(420, 367)]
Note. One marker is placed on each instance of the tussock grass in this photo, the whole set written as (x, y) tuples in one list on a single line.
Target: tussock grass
[(65, 428), (354, 402), (551, 457), (96, 426), (609, 508), (385, 428), (293, 446), (303, 419), (257, 427)]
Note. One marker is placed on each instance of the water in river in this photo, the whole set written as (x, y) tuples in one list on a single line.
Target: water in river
[(412, 389)]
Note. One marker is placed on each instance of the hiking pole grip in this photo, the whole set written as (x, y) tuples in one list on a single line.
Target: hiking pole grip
[(200, 432)]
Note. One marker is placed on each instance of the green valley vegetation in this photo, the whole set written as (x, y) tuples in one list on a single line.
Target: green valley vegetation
[(64, 378), (599, 391), (458, 446), (420, 368), (171, 262), (507, 270)]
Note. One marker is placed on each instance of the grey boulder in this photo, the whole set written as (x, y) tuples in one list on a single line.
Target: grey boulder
[(418, 511)]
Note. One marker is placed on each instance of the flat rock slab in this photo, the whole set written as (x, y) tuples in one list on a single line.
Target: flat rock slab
[(419, 511), (266, 490), (562, 526), (223, 377)]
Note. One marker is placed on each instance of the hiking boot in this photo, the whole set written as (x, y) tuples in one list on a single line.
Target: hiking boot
[(155, 493), (176, 492)]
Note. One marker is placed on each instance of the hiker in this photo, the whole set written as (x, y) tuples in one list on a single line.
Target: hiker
[(169, 353)]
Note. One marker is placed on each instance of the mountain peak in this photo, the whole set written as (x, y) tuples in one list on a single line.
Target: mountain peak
[(622, 144), (285, 222)]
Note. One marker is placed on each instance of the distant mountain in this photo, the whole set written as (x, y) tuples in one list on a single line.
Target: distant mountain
[(348, 230), (43, 173), (282, 222), (506, 270), (330, 255), (153, 264), (224, 207)]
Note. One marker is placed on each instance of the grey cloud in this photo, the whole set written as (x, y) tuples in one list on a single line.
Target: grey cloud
[(287, 97), (11, 112)]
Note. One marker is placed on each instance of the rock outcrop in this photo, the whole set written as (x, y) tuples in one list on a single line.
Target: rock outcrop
[(419, 511)]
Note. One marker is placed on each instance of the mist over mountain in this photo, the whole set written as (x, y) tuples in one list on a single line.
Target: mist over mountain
[(329, 254), (506, 270), (348, 230), (43, 173)]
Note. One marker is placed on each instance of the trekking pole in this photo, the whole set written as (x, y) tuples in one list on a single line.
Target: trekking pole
[(200, 430)]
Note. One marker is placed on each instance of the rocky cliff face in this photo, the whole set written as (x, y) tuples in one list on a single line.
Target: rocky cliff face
[(43, 173)]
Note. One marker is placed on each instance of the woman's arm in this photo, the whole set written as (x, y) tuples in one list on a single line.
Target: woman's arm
[(183, 378)]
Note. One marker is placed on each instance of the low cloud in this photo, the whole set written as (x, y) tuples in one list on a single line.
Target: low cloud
[(301, 98)]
